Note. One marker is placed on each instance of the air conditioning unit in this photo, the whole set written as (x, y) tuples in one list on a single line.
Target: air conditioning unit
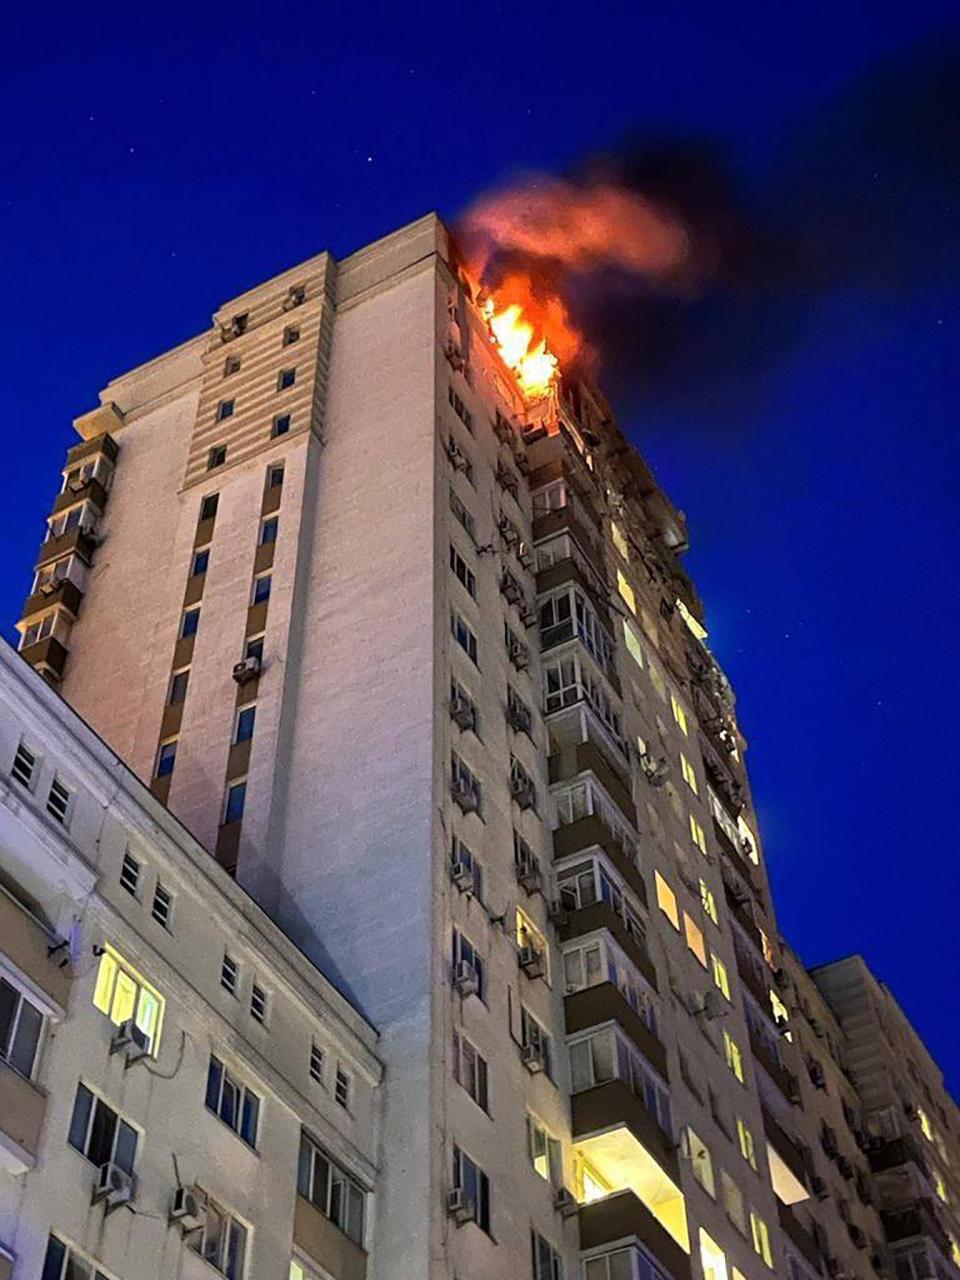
[(519, 717), (525, 555), (817, 1074), (524, 793), (113, 1186), (78, 486), (507, 479), (455, 454), (528, 615), (129, 1039), (709, 1007), (460, 1207), (462, 713), (466, 797), (508, 531), (557, 914), (49, 588), (529, 875), (462, 877), (247, 670), (565, 1202), (187, 1210), (655, 771), (531, 1055), (511, 588), (519, 655), (531, 961), (465, 979)]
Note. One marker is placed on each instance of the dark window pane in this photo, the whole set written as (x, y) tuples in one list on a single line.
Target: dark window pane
[(321, 1182), (261, 589), (81, 1118), (214, 1077), (228, 1103), (208, 508), (102, 1131), (24, 1048), (200, 561), (336, 1197), (235, 800), (355, 1223), (53, 1262), (304, 1167), (248, 1120), (235, 1250), (126, 1148), (191, 621), (178, 687), (9, 998), (254, 648), (245, 723)]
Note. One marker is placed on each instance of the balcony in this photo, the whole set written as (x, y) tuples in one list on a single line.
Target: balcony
[(64, 593), (751, 974), (896, 1152), (592, 832), (586, 757), (595, 1006), (623, 1216), (48, 656), (26, 942), (22, 1108), (77, 541), (913, 1219), (799, 1236), (612, 1108), (785, 1080), (323, 1241), (87, 491), (722, 778), (744, 867), (600, 915), (92, 445), (788, 1167)]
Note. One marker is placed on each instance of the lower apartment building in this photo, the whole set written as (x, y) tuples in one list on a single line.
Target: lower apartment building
[(182, 1093)]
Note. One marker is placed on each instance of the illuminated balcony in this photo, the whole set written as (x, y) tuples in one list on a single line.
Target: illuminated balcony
[(622, 1218), (322, 1240), (788, 1168)]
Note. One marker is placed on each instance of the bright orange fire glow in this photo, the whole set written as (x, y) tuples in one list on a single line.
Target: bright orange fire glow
[(532, 332)]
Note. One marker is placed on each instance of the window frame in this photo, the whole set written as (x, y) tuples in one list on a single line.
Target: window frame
[(220, 1079)]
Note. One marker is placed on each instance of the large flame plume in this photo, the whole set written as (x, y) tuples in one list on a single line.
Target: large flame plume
[(523, 246)]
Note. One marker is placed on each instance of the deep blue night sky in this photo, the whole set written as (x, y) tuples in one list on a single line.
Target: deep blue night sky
[(807, 426)]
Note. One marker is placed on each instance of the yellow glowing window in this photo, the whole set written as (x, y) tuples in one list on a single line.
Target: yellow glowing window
[(748, 1147), (694, 936), (689, 777), (955, 1251), (678, 713), (701, 1161), (122, 994), (748, 841), (720, 976), (667, 900), (632, 641), (626, 592), (733, 1055), (761, 1238), (713, 1261), (737, 1274), (767, 949), (708, 901), (697, 835), (940, 1187), (780, 1011), (619, 541), (925, 1124)]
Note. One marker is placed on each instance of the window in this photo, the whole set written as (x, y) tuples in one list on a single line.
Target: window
[(463, 709), (689, 777), (529, 936), (342, 1087), (98, 1133), (229, 973), (261, 589), (465, 953), (224, 410), (534, 1036), (275, 476), (286, 378), (243, 730), (733, 1203), (465, 786), (519, 715), (460, 409), (166, 759), (721, 979), (761, 1238), (547, 1263), (626, 592), (254, 648), (58, 801), (545, 1153), (122, 994), (694, 936), (463, 636), (21, 1024), (748, 1148), (162, 909), (189, 622), (38, 631), (679, 714), (258, 1004), (462, 572), (208, 507), (222, 1240), (231, 365), (701, 1162), (713, 1261), (330, 1189), (619, 540), (708, 901), (697, 835), (236, 1105), (63, 1263), (281, 425), (130, 873), (470, 1069), (606, 1055), (632, 641), (733, 1055), (469, 1178), (666, 900), (217, 456), (316, 1063), (24, 765), (460, 855), (201, 559), (291, 334), (462, 514), (178, 687)]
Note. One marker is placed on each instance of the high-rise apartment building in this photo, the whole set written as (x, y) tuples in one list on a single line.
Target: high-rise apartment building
[(417, 662)]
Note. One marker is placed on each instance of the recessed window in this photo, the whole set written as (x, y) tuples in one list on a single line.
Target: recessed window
[(535, 1039), (122, 994), (221, 1241), (470, 1069), (462, 514), (208, 508), (261, 588), (268, 531), (189, 622), (178, 687), (721, 979), (544, 1151), (330, 1189), (286, 378), (462, 572), (254, 648), (733, 1055), (21, 1024), (469, 1178), (761, 1238), (236, 1105), (236, 798), (666, 900), (201, 560), (713, 1261), (166, 759), (547, 1263), (342, 1087), (291, 334), (463, 636), (689, 776), (275, 477), (258, 1003), (62, 1262), (281, 425), (708, 901), (678, 713), (130, 873), (748, 1148), (229, 973), (24, 766), (694, 936), (162, 909), (316, 1063), (460, 409), (468, 963), (244, 726), (224, 410), (98, 1133), (231, 365), (58, 801), (697, 835), (217, 456)]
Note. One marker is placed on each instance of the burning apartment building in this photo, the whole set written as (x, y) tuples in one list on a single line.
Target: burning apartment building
[(368, 588)]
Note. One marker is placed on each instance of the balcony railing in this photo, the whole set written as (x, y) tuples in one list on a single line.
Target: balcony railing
[(621, 1217), (595, 1006)]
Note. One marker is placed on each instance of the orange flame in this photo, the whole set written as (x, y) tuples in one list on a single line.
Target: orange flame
[(570, 230)]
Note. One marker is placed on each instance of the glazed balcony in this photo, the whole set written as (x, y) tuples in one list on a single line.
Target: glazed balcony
[(322, 1240), (799, 1236), (78, 541), (784, 1079), (622, 1217), (90, 490), (47, 656), (604, 1003), (593, 832), (587, 757), (22, 1109), (913, 1219), (600, 915), (64, 593), (102, 443), (788, 1165), (896, 1152)]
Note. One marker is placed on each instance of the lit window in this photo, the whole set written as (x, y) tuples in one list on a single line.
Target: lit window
[(162, 909), (694, 937), (925, 1125), (166, 759), (632, 641), (236, 1105), (748, 1147), (689, 777), (342, 1087), (708, 901), (781, 1014), (700, 1161), (258, 1004), (713, 1261), (940, 1187), (98, 1133), (720, 978), (626, 592), (330, 1190), (678, 713), (761, 1238), (316, 1063), (122, 994), (130, 874), (667, 900), (697, 835), (733, 1055), (748, 841), (222, 1240), (619, 541)]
